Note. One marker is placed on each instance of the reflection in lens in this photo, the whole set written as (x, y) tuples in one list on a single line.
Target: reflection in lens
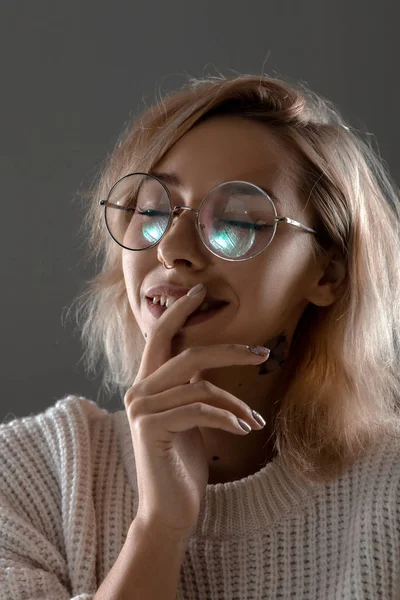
[(137, 211), (230, 240), (237, 220), (153, 226)]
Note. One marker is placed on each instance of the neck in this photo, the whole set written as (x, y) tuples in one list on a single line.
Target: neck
[(231, 457)]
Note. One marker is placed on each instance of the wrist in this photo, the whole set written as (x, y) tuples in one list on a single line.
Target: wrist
[(152, 530)]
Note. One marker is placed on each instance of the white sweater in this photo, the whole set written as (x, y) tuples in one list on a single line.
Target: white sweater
[(68, 496)]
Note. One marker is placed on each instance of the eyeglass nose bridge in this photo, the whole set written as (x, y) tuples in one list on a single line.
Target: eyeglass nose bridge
[(177, 211)]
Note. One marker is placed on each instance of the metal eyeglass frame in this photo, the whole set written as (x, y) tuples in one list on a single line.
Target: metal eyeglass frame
[(176, 211)]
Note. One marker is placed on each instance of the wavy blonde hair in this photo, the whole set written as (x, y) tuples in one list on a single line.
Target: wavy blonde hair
[(342, 390)]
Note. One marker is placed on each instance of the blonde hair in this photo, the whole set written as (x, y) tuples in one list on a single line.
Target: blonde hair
[(342, 388)]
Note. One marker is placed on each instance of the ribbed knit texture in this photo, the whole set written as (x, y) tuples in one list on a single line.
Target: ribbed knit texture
[(68, 496)]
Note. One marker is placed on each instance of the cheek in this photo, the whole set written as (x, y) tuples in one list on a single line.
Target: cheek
[(137, 268), (280, 280), (132, 279)]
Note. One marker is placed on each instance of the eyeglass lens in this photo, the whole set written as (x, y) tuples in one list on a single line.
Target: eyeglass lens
[(237, 220)]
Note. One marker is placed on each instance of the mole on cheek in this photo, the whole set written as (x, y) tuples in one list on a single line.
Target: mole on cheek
[(215, 457)]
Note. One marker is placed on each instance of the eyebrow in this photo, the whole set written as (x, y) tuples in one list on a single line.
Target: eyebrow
[(168, 178), (173, 179)]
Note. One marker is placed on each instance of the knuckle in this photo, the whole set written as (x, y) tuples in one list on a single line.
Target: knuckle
[(199, 408), (131, 393), (229, 346), (230, 416), (138, 407), (128, 398), (203, 385), (192, 351), (184, 355), (133, 401)]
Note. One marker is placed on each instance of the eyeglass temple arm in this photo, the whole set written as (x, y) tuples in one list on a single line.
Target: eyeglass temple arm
[(127, 208), (295, 223)]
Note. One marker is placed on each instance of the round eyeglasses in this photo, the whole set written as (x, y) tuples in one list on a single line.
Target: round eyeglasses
[(236, 220)]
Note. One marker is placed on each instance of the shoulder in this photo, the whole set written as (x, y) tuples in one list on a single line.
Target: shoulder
[(64, 414), (71, 404), (377, 474), (46, 441), (47, 513), (385, 456)]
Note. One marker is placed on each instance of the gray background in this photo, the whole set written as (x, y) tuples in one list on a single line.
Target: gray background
[(73, 72)]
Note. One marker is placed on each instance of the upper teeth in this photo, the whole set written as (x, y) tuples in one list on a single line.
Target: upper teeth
[(169, 301)]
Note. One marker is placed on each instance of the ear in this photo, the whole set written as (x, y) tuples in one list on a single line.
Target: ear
[(328, 286)]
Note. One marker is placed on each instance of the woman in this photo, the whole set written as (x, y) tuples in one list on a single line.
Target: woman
[(261, 193)]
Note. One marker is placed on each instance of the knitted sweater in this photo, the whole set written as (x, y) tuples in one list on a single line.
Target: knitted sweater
[(68, 494)]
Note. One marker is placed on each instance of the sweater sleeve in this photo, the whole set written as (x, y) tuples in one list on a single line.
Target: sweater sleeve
[(39, 553)]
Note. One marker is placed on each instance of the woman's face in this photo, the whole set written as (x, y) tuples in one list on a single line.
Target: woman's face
[(266, 294)]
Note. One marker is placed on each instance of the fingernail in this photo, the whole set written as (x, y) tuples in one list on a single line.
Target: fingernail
[(261, 350), (258, 418), (196, 289), (244, 425)]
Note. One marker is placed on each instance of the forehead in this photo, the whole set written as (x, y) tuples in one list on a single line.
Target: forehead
[(223, 148)]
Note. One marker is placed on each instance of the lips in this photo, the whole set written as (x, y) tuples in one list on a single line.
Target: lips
[(202, 316), (198, 316), (175, 292), (211, 305)]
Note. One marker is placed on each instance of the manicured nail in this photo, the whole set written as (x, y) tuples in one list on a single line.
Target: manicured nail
[(258, 418), (196, 289), (244, 425), (261, 350)]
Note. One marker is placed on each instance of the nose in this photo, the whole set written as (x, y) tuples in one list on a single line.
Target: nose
[(182, 241)]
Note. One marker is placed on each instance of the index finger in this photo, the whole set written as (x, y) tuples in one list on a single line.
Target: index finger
[(157, 350)]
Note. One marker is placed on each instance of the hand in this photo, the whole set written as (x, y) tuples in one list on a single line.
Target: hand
[(165, 410)]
